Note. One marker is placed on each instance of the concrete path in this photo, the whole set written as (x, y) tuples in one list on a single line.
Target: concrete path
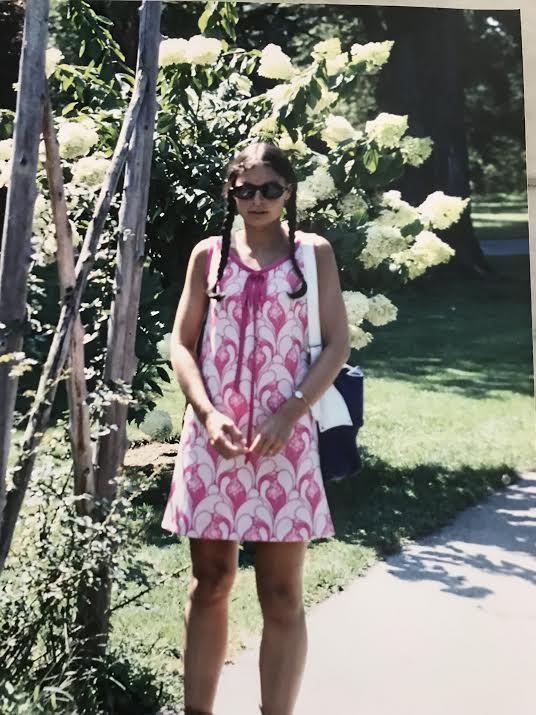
[(447, 627), (510, 247)]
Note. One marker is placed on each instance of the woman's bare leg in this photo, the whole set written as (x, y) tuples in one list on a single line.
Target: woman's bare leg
[(214, 565), (279, 572)]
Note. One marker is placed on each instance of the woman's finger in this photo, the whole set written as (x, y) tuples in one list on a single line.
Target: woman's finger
[(236, 434)]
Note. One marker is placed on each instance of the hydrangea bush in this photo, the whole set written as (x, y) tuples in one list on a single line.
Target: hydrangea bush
[(209, 109)]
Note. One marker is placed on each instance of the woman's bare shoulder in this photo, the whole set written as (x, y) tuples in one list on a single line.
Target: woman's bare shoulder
[(313, 239), (201, 249)]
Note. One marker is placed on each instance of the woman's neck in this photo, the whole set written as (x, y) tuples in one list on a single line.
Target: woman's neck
[(264, 241)]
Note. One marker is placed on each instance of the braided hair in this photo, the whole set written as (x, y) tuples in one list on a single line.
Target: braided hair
[(269, 155)]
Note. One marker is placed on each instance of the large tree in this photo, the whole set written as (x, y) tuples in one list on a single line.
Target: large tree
[(425, 79)]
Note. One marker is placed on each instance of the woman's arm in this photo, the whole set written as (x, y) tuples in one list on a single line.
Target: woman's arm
[(274, 433), (223, 434), (333, 329)]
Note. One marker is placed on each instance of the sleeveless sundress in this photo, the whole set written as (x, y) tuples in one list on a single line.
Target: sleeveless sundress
[(254, 353)]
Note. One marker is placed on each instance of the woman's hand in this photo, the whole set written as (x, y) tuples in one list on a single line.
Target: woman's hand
[(273, 434), (224, 435)]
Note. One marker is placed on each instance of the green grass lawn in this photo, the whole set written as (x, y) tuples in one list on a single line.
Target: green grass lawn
[(449, 415), (500, 217)]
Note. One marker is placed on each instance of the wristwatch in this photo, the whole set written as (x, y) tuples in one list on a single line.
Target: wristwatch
[(299, 394)]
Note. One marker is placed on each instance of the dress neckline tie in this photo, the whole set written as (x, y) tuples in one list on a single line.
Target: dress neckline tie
[(254, 295)]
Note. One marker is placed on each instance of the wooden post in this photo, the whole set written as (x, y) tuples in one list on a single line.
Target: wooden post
[(121, 362), (46, 391), (93, 614), (16, 237), (84, 482)]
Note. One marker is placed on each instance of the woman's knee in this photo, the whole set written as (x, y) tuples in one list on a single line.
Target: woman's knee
[(281, 603), (213, 578)]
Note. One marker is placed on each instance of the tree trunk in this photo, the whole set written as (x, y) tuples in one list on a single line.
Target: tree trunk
[(121, 362), (424, 79), (46, 391), (84, 481), (16, 246)]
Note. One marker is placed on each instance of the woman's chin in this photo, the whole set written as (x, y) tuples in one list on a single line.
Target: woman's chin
[(258, 219)]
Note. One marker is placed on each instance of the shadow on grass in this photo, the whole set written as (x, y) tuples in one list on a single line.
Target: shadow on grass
[(385, 505), (466, 337)]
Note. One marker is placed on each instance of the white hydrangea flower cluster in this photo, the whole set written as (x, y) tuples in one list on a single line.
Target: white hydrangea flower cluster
[(387, 129), (6, 152), (164, 347), (428, 250), (353, 206), (157, 425), (77, 138), (359, 338), (241, 83), (275, 64), (281, 95), (267, 127), (327, 99), (377, 310), (357, 306), (44, 232), (374, 54), (440, 210), (173, 51), (381, 311), (316, 187), (287, 144), (90, 170), (53, 57), (6, 149), (330, 50), (382, 242), (338, 129), (397, 212), (198, 50), (327, 49), (416, 150)]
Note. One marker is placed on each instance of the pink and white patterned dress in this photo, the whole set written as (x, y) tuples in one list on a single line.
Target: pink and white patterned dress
[(254, 353)]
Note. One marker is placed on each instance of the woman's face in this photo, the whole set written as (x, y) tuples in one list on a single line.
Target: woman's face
[(260, 211)]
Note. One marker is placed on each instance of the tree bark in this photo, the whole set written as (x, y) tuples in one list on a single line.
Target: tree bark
[(120, 366), (16, 241), (40, 412), (84, 480), (424, 79), (121, 361)]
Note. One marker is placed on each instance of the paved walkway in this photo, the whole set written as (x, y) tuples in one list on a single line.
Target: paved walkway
[(446, 627)]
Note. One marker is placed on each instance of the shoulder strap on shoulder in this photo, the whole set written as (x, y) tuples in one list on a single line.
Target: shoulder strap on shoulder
[(313, 316)]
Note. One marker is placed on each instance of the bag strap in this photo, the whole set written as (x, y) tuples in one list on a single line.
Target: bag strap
[(313, 309), (330, 410)]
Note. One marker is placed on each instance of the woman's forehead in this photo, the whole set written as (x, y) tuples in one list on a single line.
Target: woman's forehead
[(258, 174)]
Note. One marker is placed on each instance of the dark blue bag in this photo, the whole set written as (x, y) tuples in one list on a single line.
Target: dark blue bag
[(339, 453)]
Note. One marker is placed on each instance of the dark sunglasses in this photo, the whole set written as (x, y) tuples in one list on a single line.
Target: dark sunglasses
[(270, 190)]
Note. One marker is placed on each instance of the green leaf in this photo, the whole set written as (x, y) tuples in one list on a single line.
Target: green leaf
[(68, 108), (370, 160), (163, 374), (207, 14), (82, 48)]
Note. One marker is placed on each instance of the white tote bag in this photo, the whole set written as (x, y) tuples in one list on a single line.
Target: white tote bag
[(330, 409)]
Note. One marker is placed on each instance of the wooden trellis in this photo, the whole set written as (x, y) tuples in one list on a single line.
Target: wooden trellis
[(95, 466)]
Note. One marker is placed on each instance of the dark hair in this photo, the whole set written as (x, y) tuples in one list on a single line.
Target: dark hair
[(254, 154)]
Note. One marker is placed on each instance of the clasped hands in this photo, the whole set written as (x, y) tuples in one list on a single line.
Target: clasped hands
[(270, 438)]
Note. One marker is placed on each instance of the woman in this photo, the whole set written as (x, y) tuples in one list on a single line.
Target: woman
[(248, 465)]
